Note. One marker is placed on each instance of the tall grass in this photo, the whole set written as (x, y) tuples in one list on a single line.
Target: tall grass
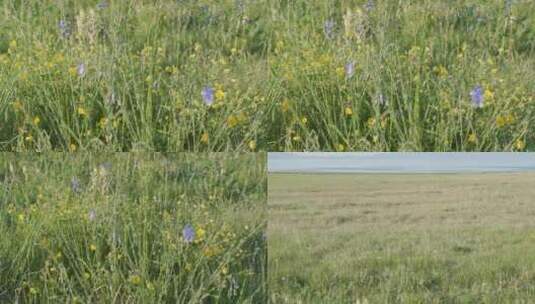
[(93, 228), (278, 76)]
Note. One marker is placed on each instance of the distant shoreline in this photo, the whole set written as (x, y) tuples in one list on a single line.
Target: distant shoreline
[(402, 172)]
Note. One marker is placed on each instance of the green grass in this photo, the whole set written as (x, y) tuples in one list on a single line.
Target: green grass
[(279, 80), (401, 238), (116, 235)]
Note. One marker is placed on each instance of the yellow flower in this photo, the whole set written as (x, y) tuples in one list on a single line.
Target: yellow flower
[(340, 147), (33, 291), (472, 138), (371, 122), (135, 279), (200, 233), (72, 147), (304, 120), (36, 120), (441, 71), (296, 138), (17, 105), (81, 111), (219, 94), (204, 138), (252, 145), (285, 105), (500, 121), (92, 247), (348, 111), (224, 270), (21, 217), (73, 72), (488, 94), (211, 251), (13, 44), (520, 144), (510, 119), (340, 71), (232, 121)]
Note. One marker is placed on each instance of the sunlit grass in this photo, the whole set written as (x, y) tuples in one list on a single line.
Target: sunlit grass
[(130, 75), (93, 228)]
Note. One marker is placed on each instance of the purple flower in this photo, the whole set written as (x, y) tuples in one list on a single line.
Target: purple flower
[(102, 5), (370, 5), (208, 95), (188, 233), (75, 185), (64, 29), (328, 29), (92, 215), (80, 69), (350, 69), (477, 96)]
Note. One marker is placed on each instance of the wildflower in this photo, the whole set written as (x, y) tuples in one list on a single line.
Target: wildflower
[(81, 111), (204, 138), (64, 29), (477, 97), (208, 95), (92, 216), (441, 71), (472, 138), (370, 5), (304, 120), (80, 69), (93, 247), (33, 291), (488, 94), (349, 69), (328, 29), (348, 111), (72, 147), (219, 94), (252, 145), (135, 279), (232, 121), (285, 105), (200, 233), (103, 5), (36, 120), (500, 121), (188, 233), (340, 147), (520, 144), (75, 185)]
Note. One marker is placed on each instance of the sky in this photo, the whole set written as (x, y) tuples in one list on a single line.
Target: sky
[(400, 162)]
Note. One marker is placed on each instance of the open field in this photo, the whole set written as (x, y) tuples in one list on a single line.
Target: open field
[(132, 228), (270, 75), (402, 238)]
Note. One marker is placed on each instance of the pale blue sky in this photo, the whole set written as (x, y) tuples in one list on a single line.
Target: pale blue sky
[(400, 162)]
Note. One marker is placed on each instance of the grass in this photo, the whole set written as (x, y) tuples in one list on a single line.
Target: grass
[(128, 76), (97, 228), (401, 238)]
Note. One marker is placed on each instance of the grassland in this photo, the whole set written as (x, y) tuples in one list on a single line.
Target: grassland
[(132, 228), (401, 238), (272, 75)]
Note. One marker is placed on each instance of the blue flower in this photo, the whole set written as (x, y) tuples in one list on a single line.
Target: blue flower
[(477, 96), (328, 29), (102, 5), (64, 29), (208, 95), (92, 215), (75, 185), (80, 69), (350, 69), (188, 233)]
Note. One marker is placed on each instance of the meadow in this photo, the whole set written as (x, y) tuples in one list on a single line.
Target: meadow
[(270, 75), (132, 228), (401, 238)]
